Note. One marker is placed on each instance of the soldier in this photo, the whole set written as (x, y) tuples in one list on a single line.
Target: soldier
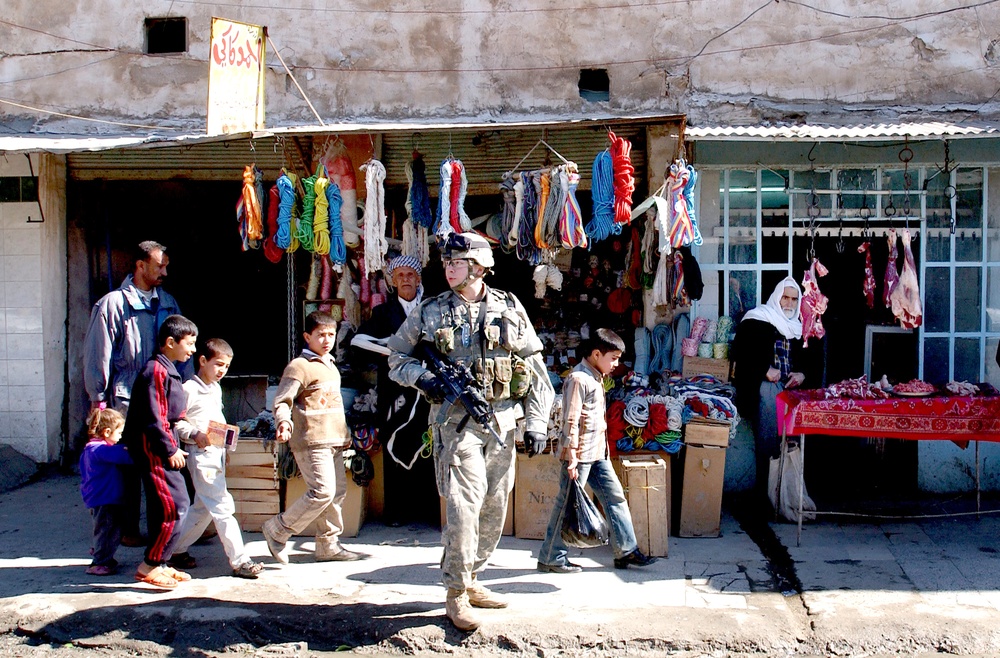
[(489, 331)]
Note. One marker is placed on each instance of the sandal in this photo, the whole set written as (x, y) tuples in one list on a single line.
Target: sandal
[(182, 561), (179, 576), (157, 578), (249, 569)]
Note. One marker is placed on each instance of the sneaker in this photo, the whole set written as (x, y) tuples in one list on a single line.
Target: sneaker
[(459, 611), (278, 549), (569, 567), (101, 570), (182, 561), (634, 558), (248, 570)]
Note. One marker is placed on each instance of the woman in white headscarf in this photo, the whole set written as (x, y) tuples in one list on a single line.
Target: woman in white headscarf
[(763, 352)]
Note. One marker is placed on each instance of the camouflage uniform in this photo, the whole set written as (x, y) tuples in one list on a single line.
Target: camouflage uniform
[(474, 474)]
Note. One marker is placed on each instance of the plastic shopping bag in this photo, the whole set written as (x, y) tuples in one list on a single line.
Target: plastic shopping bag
[(784, 494), (583, 525)]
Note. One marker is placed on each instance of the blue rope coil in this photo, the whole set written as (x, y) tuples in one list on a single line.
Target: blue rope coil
[(286, 201), (338, 250), (602, 223)]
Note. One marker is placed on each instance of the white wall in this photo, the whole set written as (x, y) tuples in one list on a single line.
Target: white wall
[(32, 321)]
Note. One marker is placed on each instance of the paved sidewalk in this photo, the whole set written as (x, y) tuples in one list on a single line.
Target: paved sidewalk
[(867, 589)]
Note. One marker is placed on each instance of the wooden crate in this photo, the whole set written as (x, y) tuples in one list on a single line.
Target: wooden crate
[(355, 505), (704, 473), (646, 481), (696, 365), (536, 484), (252, 480)]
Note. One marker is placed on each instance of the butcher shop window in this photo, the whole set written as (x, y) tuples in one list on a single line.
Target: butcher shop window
[(765, 219)]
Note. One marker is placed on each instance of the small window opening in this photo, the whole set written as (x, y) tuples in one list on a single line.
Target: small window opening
[(595, 85), (165, 36)]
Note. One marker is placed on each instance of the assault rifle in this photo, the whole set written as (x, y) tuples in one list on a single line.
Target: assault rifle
[(461, 388)]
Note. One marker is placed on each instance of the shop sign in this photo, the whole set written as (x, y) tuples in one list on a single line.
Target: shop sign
[(236, 77)]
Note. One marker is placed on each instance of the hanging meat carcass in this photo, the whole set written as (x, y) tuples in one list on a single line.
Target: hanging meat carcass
[(813, 303), (891, 274), (868, 288), (905, 298)]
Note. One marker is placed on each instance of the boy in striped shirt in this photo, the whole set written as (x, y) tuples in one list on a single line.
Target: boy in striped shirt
[(583, 449)]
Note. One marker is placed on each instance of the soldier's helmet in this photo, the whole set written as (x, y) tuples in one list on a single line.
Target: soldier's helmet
[(469, 245)]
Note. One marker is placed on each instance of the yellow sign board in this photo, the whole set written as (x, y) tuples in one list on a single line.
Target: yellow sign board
[(236, 77)]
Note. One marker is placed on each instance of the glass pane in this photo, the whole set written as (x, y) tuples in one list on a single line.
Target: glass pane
[(993, 216), (742, 216), (993, 299), (967, 359), (29, 188), (710, 216), (10, 189), (805, 180), (898, 205), (851, 180), (968, 299), (742, 293), (936, 360), (937, 299), (711, 299), (938, 233), (774, 216), (992, 369), (769, 280), (969, 211)]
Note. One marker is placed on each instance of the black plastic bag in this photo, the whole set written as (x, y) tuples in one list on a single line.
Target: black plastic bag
[(583, 525)]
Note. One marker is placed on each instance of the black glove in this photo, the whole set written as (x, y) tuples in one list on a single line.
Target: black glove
[(432, 387), (535, 443)]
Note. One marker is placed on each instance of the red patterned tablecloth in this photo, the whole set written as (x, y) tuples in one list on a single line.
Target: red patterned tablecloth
[(942, 417)]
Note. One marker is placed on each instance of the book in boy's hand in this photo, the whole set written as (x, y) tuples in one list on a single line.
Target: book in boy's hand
[(222, 435)]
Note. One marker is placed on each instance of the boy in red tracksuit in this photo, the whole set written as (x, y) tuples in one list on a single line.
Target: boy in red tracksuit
[(158, 402)]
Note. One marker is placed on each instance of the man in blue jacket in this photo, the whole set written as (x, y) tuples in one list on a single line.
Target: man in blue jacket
[(120, 340)]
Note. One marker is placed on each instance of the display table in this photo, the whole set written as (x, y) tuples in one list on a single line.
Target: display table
[(936, 417)]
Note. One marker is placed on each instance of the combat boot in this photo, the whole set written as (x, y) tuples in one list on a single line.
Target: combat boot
[(459, 611), (481, 596)]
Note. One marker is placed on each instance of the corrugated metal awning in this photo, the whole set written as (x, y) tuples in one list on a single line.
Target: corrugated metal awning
[(830, 133)]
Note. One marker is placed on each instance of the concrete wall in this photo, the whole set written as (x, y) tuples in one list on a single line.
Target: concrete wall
[(33, 304), (491, 58)]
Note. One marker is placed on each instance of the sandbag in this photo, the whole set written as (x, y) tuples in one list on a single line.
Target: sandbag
[(583, 525), (786, 501)]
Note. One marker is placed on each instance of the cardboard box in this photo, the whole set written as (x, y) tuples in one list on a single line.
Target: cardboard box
[(646, 481), (508, 522), (536, 484), (375, 490), (252, 479), (707, 432), (704, 471), (355, 505), (696, 365)]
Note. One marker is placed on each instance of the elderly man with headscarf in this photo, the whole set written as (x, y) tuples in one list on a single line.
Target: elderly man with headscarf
[(767, 346), (410, 490)]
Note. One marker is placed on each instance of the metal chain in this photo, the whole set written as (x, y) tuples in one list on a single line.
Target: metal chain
[(812, 210)]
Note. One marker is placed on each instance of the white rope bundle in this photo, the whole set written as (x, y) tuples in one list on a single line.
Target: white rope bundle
[(674, 408), (637, 411), (375, 243), (546, 274), (444, 225), (518, 207)]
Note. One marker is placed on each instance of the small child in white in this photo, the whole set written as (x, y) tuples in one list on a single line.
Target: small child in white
[(207, 465)]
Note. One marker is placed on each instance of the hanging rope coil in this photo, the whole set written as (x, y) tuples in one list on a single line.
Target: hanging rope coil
[(688, 194), (375, 219), (554, 209), (293, 226), (526, 248), (624, 182), (602, 223), (321, 217), (512, 236), (419, 198), (304, 230), (414, 231), (337, 247), (252, 206), (507, 214), (662, 343), (544, 182), (272, 251), (571, 232), (286, 202)]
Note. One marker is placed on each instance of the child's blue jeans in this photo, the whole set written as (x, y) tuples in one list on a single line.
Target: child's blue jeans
[(602, 479)]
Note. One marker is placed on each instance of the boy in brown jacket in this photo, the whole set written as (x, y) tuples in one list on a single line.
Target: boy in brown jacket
[(309, 411)]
